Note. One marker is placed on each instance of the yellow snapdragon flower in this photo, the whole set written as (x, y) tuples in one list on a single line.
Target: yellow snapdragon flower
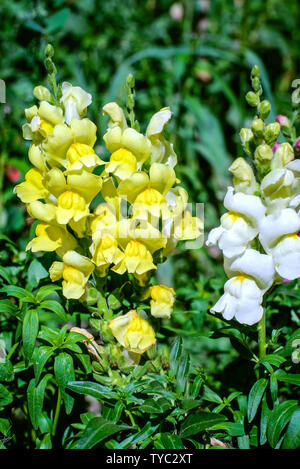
[(133, 332), (162, 300), (75, 271), (32, 188), (137, 259), (52, 238), (41, 121)]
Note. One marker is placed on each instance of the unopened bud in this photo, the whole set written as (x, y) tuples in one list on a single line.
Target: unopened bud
[(263, 154), (246, 136), (283, 155), (50, 67), (256, 84), (297, 147), (271, 133), (130, 81), (243, 176), (252, 99), (264, 109), (257, 127), (283, 121), (49, 50), (255, 72), (42, 93)]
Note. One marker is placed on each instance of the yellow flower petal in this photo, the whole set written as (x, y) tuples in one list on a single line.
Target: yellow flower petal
[(33, 188)]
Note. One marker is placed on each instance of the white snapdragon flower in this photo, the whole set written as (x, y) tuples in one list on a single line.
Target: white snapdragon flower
[(279, 237), (239, 226), (280, 186), (251, 275), (74, 101)]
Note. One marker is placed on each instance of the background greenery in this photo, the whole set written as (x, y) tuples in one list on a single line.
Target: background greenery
[(195, 57)]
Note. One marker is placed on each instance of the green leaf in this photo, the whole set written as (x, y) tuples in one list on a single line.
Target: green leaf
[(255, 396), (64, 372), (291, 378), (56, 307), (6, 306), (150, 406), (6, 371), (97, 430), (264, 418), (138, 437), (35, 398), (18, 292), (171, 441), (4, 274), (195, 423), (6, 396), (36, 272), (175, 355), (46, 442), (275, 360), (57, 20), (45, 291), (40, 357), (182, 373), (232, 428), (89, 388), (279, 417), (30, 332), (292, 436), (211, 396)]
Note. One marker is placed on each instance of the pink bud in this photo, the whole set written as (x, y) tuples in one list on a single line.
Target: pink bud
[(12, 173), (283, 120), (285, 280), (275, 146), (297, 143)]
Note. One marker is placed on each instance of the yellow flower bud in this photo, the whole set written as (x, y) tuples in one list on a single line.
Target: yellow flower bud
[(162, 300), (243, 176), (284, 154), (42, 93)]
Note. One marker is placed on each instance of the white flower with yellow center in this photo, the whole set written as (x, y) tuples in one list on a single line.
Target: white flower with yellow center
[(240, 225), (279, 237), (251, 276), (162, 150)]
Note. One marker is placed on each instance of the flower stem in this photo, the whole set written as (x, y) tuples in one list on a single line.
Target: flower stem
[(262, 336), (57, 412)]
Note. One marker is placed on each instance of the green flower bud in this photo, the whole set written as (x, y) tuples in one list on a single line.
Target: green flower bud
[(49, 50), (258, 127), (264, 109), (246, 136), (283, 155), (42, 93), (263, 154), (130, 81), (50, 67), (243, 176), (255, 72), (256, 84), (271, 133), (252, 99)]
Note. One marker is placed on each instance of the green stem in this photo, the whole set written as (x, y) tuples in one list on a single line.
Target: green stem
[(262, 336), (57, 412)]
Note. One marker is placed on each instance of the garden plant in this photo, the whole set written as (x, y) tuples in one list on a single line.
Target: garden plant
[(149, 277)]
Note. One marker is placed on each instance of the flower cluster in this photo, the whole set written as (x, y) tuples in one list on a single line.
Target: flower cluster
[(142, 212), (259, 233)]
